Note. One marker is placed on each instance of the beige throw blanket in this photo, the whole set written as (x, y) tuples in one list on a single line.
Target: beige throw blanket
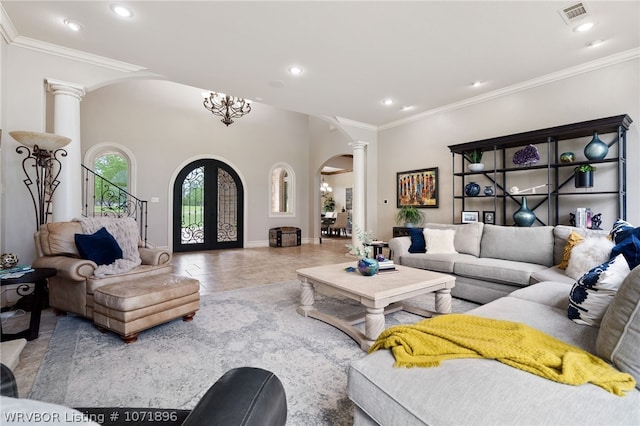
[(125, 231)]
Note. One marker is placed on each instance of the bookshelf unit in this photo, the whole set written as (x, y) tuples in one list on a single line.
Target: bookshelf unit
[(556, 178)]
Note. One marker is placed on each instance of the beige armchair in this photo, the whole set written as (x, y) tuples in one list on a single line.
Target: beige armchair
[(72, 289)]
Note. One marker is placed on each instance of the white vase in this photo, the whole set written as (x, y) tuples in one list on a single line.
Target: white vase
[(476, 167)]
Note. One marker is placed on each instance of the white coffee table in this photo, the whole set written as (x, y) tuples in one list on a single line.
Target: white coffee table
[(379, 294)]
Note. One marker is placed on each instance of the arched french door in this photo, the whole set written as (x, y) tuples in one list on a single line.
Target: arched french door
[(207, 207)]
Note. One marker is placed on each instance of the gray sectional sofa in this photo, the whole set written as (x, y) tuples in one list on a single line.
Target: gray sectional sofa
[(487, 392), (503, 263), (492, 261)]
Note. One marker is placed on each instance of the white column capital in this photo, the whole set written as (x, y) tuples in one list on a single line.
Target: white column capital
[(58, 87), (358, 145)]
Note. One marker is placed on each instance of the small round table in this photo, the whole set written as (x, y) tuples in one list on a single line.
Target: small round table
[(39, 277)]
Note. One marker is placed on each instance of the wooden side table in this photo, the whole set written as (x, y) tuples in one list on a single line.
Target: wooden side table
[(39, 277)]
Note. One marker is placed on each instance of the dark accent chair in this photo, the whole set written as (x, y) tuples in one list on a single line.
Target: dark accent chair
[(243, 396)]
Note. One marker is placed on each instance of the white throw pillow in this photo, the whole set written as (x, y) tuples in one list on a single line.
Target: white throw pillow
[(439, 241), (591, 295), (588, 254)]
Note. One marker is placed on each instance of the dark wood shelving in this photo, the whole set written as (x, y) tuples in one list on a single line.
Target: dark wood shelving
[(552, 138)]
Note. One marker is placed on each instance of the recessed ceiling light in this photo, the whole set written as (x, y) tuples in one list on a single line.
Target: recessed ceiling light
[(595, 43), (72, 25), (387, 102), (295, 70), (121, 11), (586, 26), (407, 108), (476, 83)]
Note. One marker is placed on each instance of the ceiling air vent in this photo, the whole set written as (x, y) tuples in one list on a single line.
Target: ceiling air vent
[(574, 13)]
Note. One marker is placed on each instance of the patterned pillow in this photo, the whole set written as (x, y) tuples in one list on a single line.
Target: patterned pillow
[(588, 254), (619, 335), (417, 241), (573, 240), (591, 295), (629, 248), (620, 230)]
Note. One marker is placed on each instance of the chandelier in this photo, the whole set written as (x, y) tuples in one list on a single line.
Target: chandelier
[(325, 188), (227, 107)]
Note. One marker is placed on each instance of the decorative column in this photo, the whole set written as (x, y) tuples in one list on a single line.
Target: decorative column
[(66, 122), (359, 168)]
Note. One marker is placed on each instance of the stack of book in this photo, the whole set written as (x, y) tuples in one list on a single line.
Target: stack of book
[(386, 265), (583, 217), (15, 272)]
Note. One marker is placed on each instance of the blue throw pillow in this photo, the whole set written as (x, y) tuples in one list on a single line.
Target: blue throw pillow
[(620, 230), (629, 248), (418, 244), (100, 247)]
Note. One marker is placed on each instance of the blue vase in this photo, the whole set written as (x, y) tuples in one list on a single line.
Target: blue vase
[(488, 190), (472, 189), (368, 266), (596, 149), (524, 216)]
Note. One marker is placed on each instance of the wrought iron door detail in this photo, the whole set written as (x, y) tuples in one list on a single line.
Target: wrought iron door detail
[(227, 207), (208, 206), (192, 222)]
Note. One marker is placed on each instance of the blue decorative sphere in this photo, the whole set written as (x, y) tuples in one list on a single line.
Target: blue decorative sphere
[(368, 267), (472, 189)]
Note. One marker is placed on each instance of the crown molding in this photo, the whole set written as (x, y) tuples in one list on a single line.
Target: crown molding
[(357, 124), (519, 87), (11, 36), (7, 29), (77, 55)]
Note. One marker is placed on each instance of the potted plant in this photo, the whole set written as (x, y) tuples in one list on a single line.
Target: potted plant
[(475, 159), (329, 204), (583, 176), (409, 216)]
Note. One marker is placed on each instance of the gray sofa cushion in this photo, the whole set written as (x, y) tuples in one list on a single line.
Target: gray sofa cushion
[(496, 270), (434, 262), (550, 293), (619, 337), (533, 245), (551, 274), (468, 236)]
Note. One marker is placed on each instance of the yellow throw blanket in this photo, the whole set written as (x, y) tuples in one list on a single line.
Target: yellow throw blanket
[(430, 341)]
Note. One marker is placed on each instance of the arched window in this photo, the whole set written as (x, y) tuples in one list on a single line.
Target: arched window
[(282, 182), (111, 178)]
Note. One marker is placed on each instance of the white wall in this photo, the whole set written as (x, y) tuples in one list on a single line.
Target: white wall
[(165, 126), (24, 72), (605, 92)]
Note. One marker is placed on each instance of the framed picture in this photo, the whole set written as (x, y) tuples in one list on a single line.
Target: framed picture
[(348, 198), (489, 217), (417, 188), (470, 216)]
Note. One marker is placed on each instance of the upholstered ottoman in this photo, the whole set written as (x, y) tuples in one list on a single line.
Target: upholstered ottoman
[(285, 236), (127, 308)]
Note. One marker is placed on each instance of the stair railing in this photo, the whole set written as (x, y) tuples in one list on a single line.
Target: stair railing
[(102, 197)]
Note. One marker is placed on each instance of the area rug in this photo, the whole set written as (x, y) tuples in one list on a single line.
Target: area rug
[(172, 365)]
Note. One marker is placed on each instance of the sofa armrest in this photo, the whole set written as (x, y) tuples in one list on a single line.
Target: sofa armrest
[(154, 257), (67, 267), (399, 246)]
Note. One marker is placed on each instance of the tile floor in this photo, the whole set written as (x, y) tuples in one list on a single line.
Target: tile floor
[(217, 270)]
